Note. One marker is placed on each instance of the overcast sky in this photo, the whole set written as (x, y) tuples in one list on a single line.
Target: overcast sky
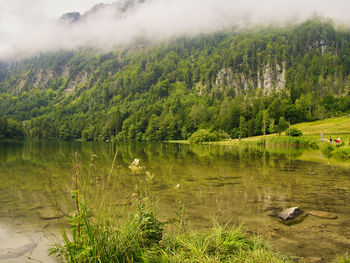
[(30, 26)]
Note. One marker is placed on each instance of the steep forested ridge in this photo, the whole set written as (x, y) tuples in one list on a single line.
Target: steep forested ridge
[(242, 83)]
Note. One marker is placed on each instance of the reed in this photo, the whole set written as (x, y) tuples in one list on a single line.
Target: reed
[(287, 141), (342, 259), (342, 152)]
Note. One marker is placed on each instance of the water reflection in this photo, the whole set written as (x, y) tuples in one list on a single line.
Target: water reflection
[(240, 184)]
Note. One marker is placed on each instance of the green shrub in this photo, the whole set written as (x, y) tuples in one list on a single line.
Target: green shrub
[(221, 135), (203, 135), (342, 152), (294, 132)]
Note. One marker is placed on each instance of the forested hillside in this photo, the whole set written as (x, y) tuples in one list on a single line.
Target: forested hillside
[(239, 83)]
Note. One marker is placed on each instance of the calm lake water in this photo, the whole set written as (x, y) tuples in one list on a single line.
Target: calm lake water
[(232, 184)]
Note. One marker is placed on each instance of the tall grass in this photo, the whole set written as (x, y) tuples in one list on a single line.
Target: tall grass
[(219, 244), (287, 141), (342, 152), (281, 141), (342, 259), (327, 149), (108, 239)]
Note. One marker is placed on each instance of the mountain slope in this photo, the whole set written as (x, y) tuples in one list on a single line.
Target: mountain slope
[(229, 81)]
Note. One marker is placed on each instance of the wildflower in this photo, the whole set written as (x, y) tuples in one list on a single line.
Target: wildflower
[(135, 162)]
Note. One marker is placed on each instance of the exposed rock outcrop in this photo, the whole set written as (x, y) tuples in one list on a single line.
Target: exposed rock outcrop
[(268, 79)]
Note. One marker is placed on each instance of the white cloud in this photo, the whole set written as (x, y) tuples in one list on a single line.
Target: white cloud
[(27, 27)]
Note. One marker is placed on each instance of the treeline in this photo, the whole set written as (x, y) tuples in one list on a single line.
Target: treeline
[(11, 129), (238, 83)]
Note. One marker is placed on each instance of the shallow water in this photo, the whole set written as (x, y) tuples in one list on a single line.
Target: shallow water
[(235, 184)]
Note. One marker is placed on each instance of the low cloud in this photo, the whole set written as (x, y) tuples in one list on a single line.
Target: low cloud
[(28, 31)]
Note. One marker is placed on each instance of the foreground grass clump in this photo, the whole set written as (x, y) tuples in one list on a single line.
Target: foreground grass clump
[(343, 259), (140, 237), (219, 244), (91, 239)]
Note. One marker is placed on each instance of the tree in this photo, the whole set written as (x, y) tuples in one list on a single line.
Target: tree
[(242, 127), (282, 125), (272, 126), (265, 121), (132, 132)]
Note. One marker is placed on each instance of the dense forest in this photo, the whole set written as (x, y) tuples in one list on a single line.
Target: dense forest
[(231, 83), (11, 129)]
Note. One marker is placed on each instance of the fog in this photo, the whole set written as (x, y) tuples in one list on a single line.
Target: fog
[(30, 27)]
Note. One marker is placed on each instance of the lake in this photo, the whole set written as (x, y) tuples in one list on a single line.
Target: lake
[(234, 184)]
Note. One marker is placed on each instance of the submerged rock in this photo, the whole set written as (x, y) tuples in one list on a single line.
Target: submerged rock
[(49, 214), (295, 215), (290, 213), (323, 215), (314, 260), (292, 216)]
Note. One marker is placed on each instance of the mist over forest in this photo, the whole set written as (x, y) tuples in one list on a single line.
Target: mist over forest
[(27, 28)]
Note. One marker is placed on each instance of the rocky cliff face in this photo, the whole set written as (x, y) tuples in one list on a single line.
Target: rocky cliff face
[(268, 79), (272, 78), (41, 78)]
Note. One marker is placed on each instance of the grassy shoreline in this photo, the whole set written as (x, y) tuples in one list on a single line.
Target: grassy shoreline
[(316, 135)]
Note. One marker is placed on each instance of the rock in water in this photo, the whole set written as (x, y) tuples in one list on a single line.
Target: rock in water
[(323, 215), (49, 213), (289, 213)]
